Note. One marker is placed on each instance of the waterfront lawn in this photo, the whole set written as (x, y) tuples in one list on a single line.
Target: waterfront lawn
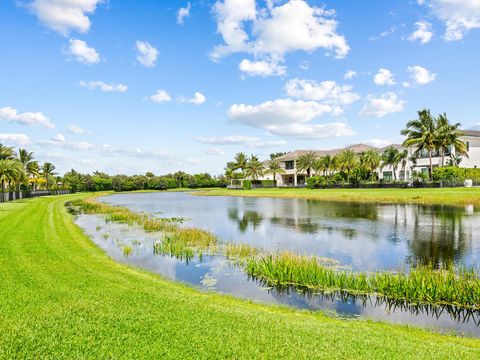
[(447, 196), (62, 297)]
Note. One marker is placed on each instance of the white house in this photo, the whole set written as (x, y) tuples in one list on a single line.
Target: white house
[(293, 177)]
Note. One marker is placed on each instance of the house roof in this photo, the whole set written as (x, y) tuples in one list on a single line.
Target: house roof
[(473, 133), (358, 148)]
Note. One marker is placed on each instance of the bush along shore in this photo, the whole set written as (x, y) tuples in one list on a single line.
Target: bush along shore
[(420, 285)]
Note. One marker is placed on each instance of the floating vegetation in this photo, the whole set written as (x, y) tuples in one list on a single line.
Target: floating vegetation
[(98, 228), (127, 250), (209, 281), (106, 236), (136, 242), (240, 251), (423, 285)]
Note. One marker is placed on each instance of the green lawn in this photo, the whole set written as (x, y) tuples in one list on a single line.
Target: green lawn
[(451, 196), (62, 297)]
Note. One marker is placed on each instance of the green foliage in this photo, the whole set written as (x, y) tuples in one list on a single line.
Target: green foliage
[(268, 183), (247, 185), (452, 175)]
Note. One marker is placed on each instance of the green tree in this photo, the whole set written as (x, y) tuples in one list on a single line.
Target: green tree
[(48, 170), (449, 135), (370, 161), (392, 157), (254, 168), (6, 153), (33, 171), (240, 161), (274, 168), (11, 173), (421, 133), (307, 162), (346, 161)]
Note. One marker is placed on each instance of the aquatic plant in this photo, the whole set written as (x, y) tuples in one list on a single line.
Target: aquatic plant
[(419, 286), (127, 250), (98, 228), (106, 236), (240, 250)]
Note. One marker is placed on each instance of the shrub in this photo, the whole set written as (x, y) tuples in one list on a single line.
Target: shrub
[(247, 185), (268, 183), (452, 175)]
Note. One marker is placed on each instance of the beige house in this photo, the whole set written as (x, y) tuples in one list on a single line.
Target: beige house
[(293, 177)]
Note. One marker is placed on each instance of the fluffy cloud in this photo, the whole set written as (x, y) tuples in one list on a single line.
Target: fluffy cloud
[(459, 16), (17, 139), (248, 141), (287, 117), (423, 33), (214, 151), (386, 104), (183, 13), (106, 87), (262, 68), (10, 114), (350, 74), (161, 96), (421, 75), (197, 99), (146, 54), (276, 30), (384, 77), (64, 16), (82, 52), (76, 130), (328, 92)]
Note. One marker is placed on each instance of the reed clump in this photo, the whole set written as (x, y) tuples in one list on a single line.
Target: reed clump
[(423, 285), (240, 251), (127, 250)]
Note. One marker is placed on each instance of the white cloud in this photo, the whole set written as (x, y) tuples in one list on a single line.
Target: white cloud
[(161, 96), (384, 77), (386, 104), (329, 92), (262, 68), (459, 16), (106, 87), (392, 30), (146, 54), (64, 16), (287, 117), (423, 33), (183, 13), (421, 75), (248, 141), (214, 151), (197, 99), (17, 139), (276, 30), (82, 52), (350, 74), (77, 130), (7, 113), (57, 140)]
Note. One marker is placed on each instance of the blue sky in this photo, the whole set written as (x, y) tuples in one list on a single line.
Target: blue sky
[(135, 86)]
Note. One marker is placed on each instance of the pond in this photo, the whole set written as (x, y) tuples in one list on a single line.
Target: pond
[(362, 237)]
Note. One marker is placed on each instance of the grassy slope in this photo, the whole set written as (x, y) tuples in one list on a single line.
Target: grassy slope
[(452, 196), (62, 297)]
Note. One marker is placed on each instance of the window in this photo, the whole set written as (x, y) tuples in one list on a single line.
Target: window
[(289, 165), (387, 176)]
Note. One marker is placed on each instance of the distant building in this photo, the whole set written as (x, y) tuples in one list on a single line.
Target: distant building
[(293, 177)]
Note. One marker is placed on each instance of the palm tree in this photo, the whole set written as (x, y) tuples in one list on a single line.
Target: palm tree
[(254, 168), (47, 171), (33, 171), (346, 161), (404, 161), (25, 157), (422, 134), (449, 135), (274, 168), (328, 163), (6, 153), (306, 162), (11, 172), (240, 161), (392, 157), (370, 160)]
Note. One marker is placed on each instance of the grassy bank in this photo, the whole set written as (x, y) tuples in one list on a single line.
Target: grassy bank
[(62, 297), (448, 196)]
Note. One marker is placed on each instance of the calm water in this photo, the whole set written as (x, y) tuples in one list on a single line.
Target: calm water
[(361, 236)]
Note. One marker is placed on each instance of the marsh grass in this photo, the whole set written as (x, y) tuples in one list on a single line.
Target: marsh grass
[(419, 286), (127, 250), (238, 251)]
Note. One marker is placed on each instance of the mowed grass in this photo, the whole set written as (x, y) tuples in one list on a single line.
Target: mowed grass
[(62, 297), (448, 196)]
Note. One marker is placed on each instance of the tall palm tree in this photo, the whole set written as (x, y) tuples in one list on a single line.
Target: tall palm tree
[(47, 171), (6, 153), (346, 161), (254, 168), (25, 157), (328, 163), (392, 157), (422, 134), (274, 168), (33, 171), (404, 161), (449, 135), (370, 160), (240, 161), (11, 172), (307, 162)]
